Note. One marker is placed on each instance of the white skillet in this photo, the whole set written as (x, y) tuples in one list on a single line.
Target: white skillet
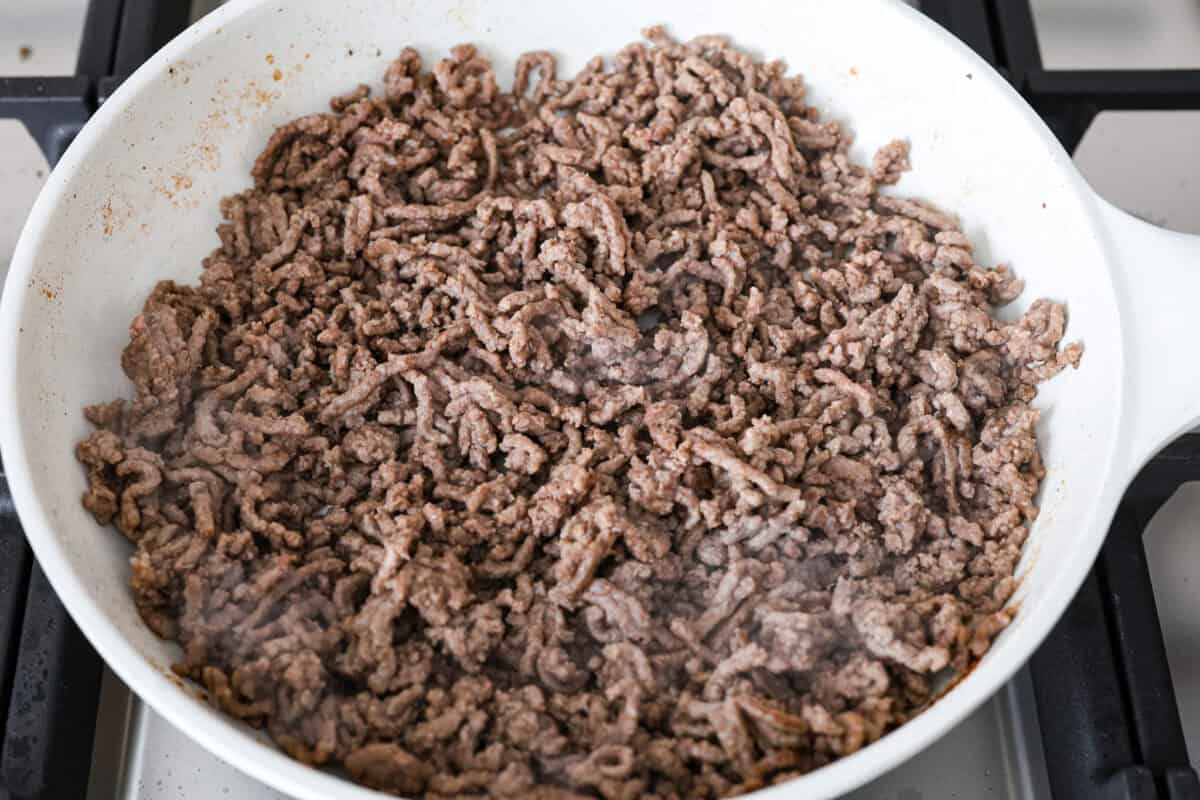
[(134, 200)]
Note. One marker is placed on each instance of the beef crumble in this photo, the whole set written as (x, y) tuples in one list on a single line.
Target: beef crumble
[(613, 437)]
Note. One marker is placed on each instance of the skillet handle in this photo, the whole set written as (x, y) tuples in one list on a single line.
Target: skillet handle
[(1158, 290)]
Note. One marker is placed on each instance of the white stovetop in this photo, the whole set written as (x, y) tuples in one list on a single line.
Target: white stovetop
[(140, 757)]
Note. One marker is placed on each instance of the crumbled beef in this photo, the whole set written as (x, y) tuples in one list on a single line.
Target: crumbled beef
[(613, 437)]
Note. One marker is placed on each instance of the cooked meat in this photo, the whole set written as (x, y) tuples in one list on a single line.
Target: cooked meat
[(614, 437)]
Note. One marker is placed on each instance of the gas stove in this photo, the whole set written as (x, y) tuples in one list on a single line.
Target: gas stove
[(1107, 708)]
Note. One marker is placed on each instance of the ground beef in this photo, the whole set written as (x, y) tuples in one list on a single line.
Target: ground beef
[(615, 437)]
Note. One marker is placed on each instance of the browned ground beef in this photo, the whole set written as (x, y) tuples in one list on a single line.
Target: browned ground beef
[(615, 437)]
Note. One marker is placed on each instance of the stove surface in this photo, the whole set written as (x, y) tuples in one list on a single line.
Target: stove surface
[(997, 752)]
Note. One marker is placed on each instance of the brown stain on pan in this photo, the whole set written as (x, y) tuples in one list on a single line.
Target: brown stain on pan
[(106, 218), (116, 212), (231, 105), (49, 287), (950, 687), (186, 684), (258, 97)]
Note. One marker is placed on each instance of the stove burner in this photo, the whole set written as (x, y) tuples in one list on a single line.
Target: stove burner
[(1109, 720)]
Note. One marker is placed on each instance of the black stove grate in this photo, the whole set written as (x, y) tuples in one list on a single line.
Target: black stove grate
[(1107, 708)]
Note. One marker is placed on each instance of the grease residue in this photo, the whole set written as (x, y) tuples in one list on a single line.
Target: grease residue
[(106, 218), (49, 287), (257, 96), (231, 105)]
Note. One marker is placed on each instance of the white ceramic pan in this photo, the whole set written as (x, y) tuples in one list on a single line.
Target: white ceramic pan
[(134, 200)]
